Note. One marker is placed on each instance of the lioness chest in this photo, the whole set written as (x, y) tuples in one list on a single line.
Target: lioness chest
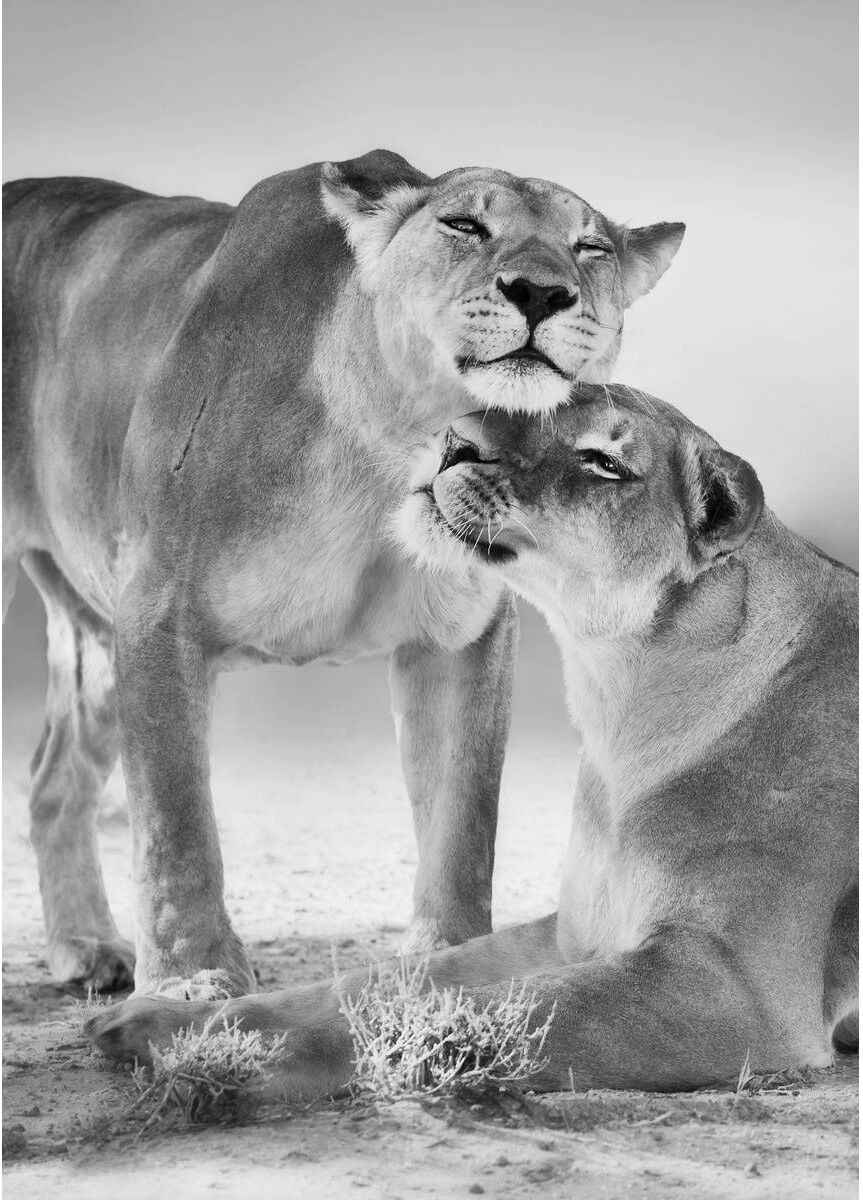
[(337, 598)]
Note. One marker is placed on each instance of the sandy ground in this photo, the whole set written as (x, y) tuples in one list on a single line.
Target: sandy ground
[(319, 851)]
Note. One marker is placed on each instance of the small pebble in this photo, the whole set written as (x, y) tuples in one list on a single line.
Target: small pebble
[(476, 1189)]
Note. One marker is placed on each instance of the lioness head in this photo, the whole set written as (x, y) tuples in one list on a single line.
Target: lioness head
[(511, 287), (591, 514)]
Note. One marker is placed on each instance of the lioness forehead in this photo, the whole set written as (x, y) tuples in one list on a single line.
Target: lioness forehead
[(617, 417), (497, 193), (611, 404)]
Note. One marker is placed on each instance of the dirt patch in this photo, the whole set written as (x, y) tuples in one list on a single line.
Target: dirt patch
[(339, 859), (61, 1100)]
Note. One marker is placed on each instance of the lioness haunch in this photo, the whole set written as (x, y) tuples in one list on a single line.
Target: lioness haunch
[(709, 904)]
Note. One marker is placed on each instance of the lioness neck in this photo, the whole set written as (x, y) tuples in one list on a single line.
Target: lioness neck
[(388, 406), (654, 697)]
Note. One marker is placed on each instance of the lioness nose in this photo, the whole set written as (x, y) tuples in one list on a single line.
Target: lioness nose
[(536, 300), (457, 450)]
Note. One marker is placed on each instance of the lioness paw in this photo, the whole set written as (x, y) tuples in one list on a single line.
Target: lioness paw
[(423, 936), (99, 966), (204, 985), (127, 1031)]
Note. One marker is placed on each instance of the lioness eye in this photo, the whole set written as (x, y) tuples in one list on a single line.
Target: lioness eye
[(604, 465), (592, 249), (465, 225)]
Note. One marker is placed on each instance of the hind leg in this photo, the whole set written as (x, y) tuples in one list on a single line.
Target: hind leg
[(75, 756)]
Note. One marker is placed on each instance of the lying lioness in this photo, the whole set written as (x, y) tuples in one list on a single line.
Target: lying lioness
[(208, 413), (709, 905)]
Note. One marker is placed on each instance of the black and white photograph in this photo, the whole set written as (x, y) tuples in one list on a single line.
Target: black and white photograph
[(430, 621)]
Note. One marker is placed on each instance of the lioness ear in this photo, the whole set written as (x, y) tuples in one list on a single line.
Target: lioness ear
[(645, 255), (724, 501), (370, 197)]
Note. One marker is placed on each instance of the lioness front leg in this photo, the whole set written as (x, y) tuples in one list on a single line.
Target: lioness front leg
[(680, 1011), (452, 715), (320, 1049), (164, 688)]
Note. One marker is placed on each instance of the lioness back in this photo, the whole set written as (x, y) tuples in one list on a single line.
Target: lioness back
[(78, 255), (100, 284)]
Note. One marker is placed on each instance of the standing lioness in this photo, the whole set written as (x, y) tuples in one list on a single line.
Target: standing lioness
[(207, 412), (709, 905)]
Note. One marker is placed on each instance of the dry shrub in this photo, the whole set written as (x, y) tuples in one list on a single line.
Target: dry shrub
[(213, 1074), (93, 1006), (783, 1082), (410, 1037)]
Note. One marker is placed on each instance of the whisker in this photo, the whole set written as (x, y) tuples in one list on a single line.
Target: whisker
[(499, 531), (608, 399), (529, 532), (640, 396)]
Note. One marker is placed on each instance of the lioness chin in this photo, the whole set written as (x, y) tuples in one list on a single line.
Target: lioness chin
[(208, 414), (709, 903)]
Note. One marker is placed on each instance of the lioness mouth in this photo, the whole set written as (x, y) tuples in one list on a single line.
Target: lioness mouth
[(524, 354), (478, 541), (491, 551), (528, 354)]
